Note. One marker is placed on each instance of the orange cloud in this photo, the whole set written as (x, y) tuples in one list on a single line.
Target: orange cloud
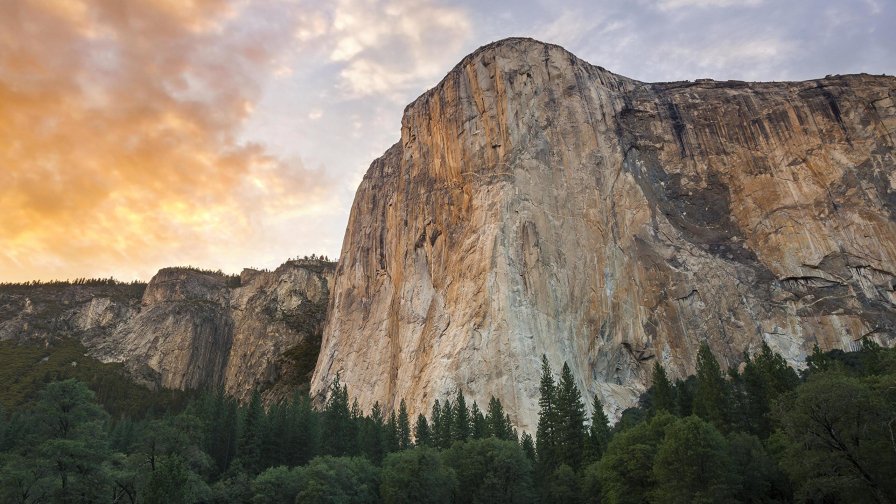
[(119, 138)]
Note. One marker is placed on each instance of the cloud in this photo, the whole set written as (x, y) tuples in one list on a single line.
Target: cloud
[(119, 127), (662, 40), (386, 47), (679, 4)]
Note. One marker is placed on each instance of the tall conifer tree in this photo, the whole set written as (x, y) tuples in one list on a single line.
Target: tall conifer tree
[(478, 425), (404, 427), (460, 430), (663, 393), (422, 434), (445, 424), (598, 432), (571, 424), (710, 401), (496, 420), (545, 440)]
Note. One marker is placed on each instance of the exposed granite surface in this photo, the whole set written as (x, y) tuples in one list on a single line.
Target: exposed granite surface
[(537, 204)]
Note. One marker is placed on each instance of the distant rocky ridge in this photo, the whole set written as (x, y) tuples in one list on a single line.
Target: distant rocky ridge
[(537, 204), (186, 328)]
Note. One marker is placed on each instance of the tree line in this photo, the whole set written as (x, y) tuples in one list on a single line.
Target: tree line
[(757, 433)]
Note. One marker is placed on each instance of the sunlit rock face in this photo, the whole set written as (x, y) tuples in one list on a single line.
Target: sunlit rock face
[(189, 329), (539, 205)]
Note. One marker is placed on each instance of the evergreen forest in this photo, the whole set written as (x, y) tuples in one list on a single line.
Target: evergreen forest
[(760, 432)]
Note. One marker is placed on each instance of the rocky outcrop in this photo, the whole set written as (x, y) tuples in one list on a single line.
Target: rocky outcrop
[(188, 329), (537, 204)]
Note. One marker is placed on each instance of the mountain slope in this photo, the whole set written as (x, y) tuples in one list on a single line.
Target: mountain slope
[(186, 328), (537, 204)]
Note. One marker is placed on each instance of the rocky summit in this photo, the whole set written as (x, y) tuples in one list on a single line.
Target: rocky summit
[(540, 205)]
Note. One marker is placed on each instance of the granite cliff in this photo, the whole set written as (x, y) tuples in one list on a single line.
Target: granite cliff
[(186, 328), (537, 204)]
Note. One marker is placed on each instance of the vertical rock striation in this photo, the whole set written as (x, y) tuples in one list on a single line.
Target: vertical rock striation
[(537, 204)]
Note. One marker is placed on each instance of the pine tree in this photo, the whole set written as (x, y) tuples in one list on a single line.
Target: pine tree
[(392, 441), (251, 435), (304, 436), (598, 432), (478, 425), (545, 440), (763, 380), (404, 427), (422, 435), (663, 394), (512, 435), (445, 422), (710, 400), (376, 443), (221, 414), (337, 421), (436, 425), (528, 446), (496, 420), (460, 430), (818, 361), (571, 424)]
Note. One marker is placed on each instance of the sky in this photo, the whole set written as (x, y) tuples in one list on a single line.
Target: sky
[(226, 134)]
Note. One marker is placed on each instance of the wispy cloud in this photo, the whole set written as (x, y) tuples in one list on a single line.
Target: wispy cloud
[(386, 47), (679, 4)]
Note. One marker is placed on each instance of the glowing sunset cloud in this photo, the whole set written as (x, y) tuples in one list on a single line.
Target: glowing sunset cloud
[(118, 136)]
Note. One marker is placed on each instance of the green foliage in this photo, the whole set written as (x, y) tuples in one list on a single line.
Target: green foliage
[(824, 437), (27, 369), (373, 435), (590, 483), (416, 475), (497, 422), (765, 378), (276, 485), (663, 396), (710, 401), (692, 464), (570, 440), (839, 437), (350, 480), (758, 476), (422, 434), (173, 483), (527, 444), (490, 470), (546, 437), (24, 479), (460, 427), (337, 424), (445, 425), (598, 432), (252, 430), (563, 486), (626, 470), (404, 427), (478, 424)]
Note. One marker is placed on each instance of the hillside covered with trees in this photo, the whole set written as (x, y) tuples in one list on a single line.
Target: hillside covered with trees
[(760, 433)]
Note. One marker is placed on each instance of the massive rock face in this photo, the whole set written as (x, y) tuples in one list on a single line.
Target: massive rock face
[(188, 329), (537, 204)]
